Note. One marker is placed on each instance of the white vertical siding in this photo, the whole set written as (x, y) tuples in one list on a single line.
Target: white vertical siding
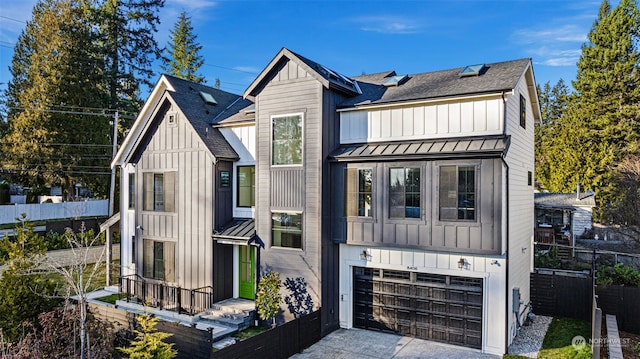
[(127, 222), (520, 159), (479, 117), (178, 148)]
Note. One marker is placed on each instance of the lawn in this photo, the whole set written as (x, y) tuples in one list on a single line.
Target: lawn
[(557, 342), (250, 332), (111, 299), (99, 280)]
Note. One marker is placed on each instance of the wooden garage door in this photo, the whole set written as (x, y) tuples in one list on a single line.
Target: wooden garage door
[(428, 306)]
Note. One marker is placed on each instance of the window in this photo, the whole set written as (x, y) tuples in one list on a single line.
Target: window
[(523, 112), (286, 229), (404, 193), (457, 193), (529, 178), (132, 191), (359, 192), (246, 186), (133, 249), (286, 140), (159, 260), (159, 191)]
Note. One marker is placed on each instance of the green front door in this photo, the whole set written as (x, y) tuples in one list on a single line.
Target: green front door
[(247, 272)]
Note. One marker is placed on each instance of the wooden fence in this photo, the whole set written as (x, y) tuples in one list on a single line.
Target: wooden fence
[(279, 342), (556, 294), (188, 341)]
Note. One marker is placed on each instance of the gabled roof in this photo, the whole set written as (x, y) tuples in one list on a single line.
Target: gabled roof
[(564, 200), (329, 78), (186, 95), (495, 78)]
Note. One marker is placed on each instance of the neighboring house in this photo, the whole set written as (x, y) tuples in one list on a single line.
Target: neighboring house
[(563, 215), (405, 201)]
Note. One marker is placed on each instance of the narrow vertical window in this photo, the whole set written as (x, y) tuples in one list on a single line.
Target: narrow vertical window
[(286, 140), (404, 193), (523, 112), (132, 191), (457, 195), (246, 186), (359, 192)]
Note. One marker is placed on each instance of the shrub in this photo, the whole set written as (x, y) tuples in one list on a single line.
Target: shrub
[(268, 296), (619, 274)]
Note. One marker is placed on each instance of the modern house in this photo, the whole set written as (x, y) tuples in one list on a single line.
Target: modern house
[(405, 201)]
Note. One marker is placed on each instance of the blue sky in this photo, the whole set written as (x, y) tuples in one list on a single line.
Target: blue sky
[(353, 37)]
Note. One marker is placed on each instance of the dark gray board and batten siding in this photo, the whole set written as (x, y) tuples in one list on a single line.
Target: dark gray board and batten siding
[(482, 235)]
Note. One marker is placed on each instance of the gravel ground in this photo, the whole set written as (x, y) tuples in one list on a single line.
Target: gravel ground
[(529, 341)]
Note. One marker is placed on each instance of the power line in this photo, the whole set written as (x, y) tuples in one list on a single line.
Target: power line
[(231, 69), (12, 19), (61, 172), (61, 144)]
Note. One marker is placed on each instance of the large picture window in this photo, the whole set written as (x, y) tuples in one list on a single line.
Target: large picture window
[(286, 140), (159, 260), (404, 193), (159, 191), (457, 193), (359, 192), (246, 186), (286, 229)]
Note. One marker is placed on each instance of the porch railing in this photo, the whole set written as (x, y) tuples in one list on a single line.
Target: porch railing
[(134, 288)]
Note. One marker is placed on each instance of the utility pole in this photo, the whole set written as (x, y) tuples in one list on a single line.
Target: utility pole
[(112, 195)]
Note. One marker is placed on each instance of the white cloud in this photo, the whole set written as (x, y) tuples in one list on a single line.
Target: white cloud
[(387, 24), (249, 69), (566, 33)]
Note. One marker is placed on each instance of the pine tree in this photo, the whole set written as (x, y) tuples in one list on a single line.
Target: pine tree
[(553, 104), (56, 71), (185, 59), (149, 343), (600, 125)]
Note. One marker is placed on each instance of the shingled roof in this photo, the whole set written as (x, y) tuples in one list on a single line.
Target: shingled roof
[(496, 77), (564, 200), (200, 114)]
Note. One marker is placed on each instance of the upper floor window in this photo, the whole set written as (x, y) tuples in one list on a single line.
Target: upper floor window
[(132, 191), (286, 229), (159, 191), (286, 140), (523, 112), (404, 192), (457, 193), (246, 186), (159, 260), (359, 192)]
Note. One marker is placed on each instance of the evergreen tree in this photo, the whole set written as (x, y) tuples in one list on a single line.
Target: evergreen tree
[(56, 71), (553, 104), (149, 342), (600, 126), (185, 59), (268, 297), (126, 29)]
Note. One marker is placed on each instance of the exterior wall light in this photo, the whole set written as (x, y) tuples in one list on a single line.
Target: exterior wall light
[(365, 256), (461, 263)]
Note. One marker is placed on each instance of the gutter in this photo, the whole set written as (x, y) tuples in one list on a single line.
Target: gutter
[(507, 309)]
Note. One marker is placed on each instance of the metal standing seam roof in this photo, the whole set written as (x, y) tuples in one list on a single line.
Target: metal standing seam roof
[(424, 149), (238, 229)]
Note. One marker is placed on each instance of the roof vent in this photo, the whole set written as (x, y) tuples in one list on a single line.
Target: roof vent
[(396, 80), (208, 98), (473, 70)]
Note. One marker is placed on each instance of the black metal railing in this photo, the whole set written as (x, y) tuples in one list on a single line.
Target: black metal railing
[(134, 288)]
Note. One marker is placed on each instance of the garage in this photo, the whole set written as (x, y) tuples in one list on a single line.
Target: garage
[(428, 306)]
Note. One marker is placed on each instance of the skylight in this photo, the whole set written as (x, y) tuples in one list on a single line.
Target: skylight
[(472, 70), (208, 98), (396, 80)]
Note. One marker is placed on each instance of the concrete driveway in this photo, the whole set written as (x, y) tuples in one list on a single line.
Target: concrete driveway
[(367, 344)]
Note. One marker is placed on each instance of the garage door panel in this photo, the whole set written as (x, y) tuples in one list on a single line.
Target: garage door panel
[(428, 306)]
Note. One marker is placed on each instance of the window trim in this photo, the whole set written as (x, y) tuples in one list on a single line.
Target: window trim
[(302, 141), (253, 186), (457, 165), (151, 191), (301, 230), (421, 192), (523, 112), (154, 260), (357, 192)]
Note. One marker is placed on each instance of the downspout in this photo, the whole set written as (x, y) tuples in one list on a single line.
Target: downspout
[(506, 176)]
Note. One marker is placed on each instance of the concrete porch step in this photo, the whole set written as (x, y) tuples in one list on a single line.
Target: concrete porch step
[(234, 313)]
